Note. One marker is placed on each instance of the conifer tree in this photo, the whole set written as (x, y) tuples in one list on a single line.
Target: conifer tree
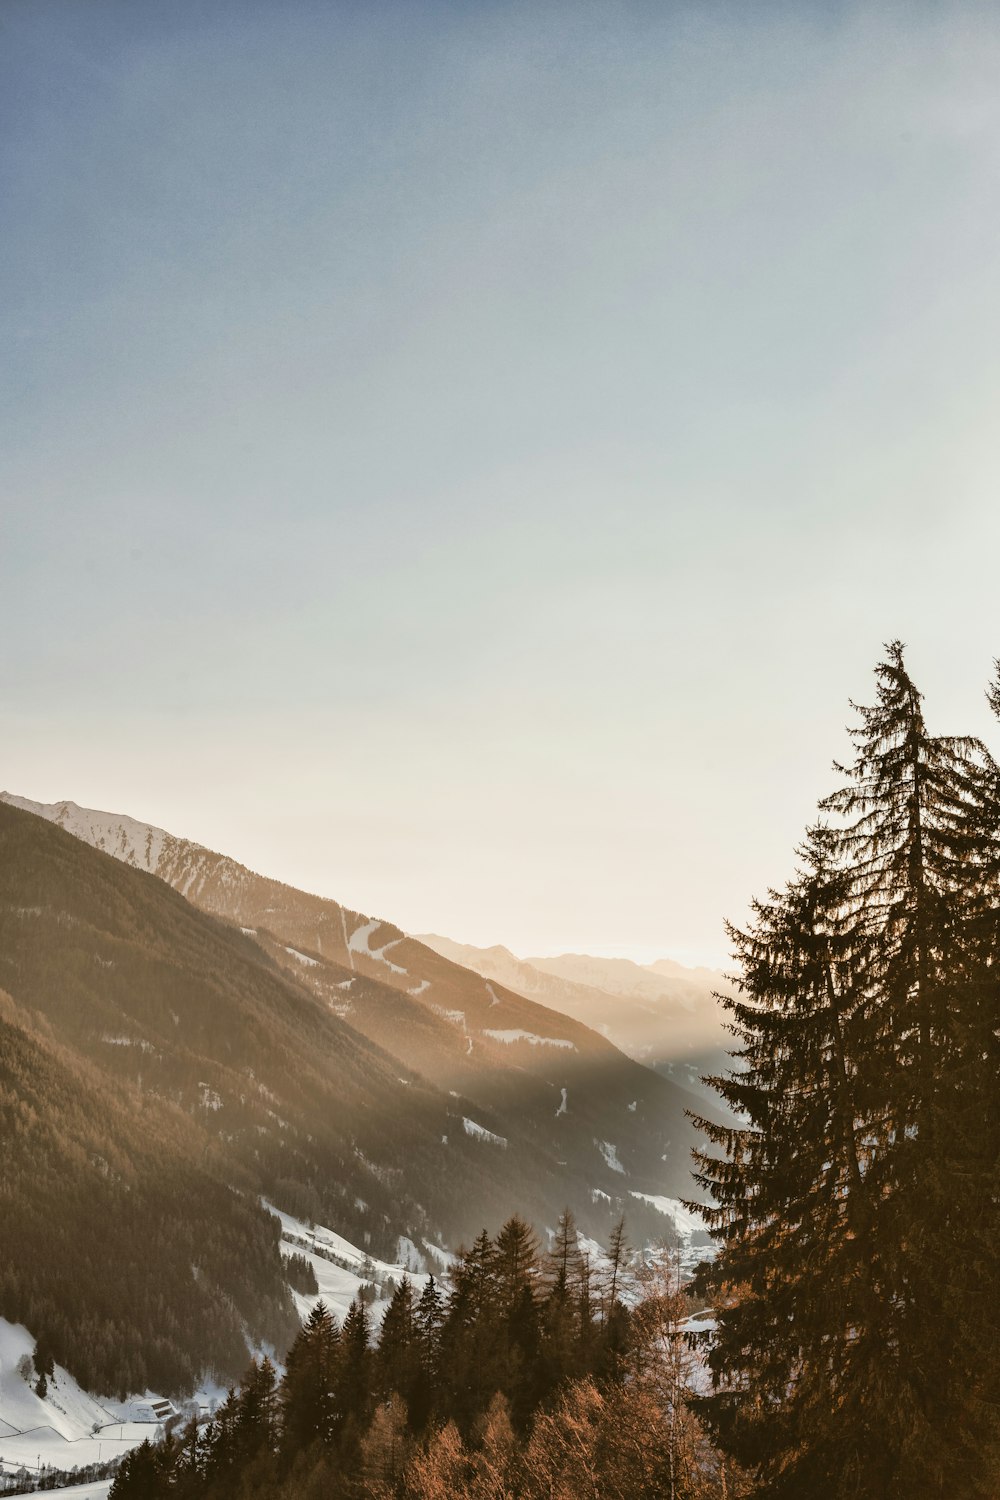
[(562, 1309), (616, 1260), (307, 1402), (470, 1335), (353, 1390), (398, 1358), (839, 1361), (562, 1264), (514, 1263), (140, 1475), (614, 1333), (920, 819), (429, 1319)]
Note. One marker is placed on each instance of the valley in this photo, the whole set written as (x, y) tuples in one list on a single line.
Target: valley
[(200, 1067)]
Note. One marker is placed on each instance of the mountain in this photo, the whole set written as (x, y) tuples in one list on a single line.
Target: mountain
[(662, 1014), (158, 1074), (272, 1044)]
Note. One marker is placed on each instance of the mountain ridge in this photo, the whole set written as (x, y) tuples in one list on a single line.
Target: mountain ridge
[(527, 1071), (671, 1022)]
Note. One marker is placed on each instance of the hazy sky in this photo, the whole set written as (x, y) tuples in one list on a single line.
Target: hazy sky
[(462, 458)]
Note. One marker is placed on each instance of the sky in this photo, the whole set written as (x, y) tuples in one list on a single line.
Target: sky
[(463, 458)]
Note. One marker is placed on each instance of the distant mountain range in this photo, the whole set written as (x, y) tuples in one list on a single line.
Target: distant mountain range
[(235, 1038), (662, 1014)]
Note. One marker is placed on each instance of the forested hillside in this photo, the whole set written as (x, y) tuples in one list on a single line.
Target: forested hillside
[(532, 1375), (118, 1235), (609, 1126), (185, 1074)]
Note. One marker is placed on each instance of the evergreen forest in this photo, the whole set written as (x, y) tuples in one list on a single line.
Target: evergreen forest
[(534, 1375)]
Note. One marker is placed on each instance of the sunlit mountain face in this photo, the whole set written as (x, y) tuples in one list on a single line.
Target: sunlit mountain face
[(255, 1042), (663, 1014)]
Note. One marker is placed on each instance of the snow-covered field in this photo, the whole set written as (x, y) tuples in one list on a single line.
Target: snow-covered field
[(66, 1428), (69, 1428), (686, 1229), (684, 1221), (96, 1490), (341, 1278)]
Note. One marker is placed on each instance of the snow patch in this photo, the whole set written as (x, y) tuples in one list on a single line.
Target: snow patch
[(59, 1429), (444, 1258), (456, 1017), (517, 1035), (562, 1102), (132, 842), (408, 1255), (480, 1133), (341, 1268), (685, 1222), (360, 942), (610, 1154), (303, 958), (128, 1041)]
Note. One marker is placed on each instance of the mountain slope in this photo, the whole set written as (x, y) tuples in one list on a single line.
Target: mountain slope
[(159, 1072), (588, 1125), (110, 1215), (662, 1014)]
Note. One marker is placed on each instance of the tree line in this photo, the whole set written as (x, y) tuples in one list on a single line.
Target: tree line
[(533, 1375)]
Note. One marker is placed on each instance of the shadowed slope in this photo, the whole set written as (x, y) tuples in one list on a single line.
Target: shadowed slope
[(604, 1125)]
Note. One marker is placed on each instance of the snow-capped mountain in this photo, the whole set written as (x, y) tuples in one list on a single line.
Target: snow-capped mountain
[(188, 866)]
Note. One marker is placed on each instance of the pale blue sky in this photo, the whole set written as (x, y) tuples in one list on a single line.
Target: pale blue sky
[(461, 458)]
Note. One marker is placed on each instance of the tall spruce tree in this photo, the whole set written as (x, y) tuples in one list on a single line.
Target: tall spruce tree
[(841, 1362), (307, 1401), (429, 1317), (398, 1367)]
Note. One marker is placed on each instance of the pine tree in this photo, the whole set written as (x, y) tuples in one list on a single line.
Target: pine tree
[(140, 1475), (920, 817), (562, 1264), (514, 1263), (43, 1360), (616, 1261), (562, 1310), (470, 1336), (839, 1363), (306, 1398), (398, 1358), (429, 1319), (353, 1390), (614, 1332)]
